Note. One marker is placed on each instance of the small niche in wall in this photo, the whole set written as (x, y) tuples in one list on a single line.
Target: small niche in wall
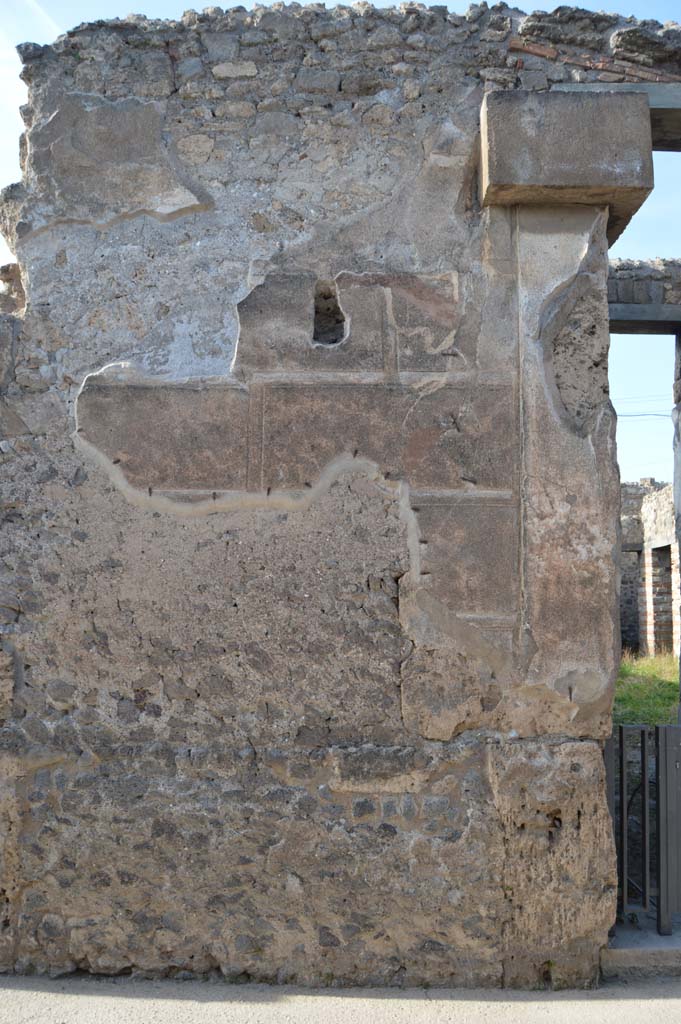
[(329, 320)]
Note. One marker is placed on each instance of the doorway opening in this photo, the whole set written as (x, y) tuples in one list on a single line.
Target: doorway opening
[(644, 371), (645, 383)]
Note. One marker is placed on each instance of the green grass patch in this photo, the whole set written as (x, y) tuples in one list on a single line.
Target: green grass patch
[(647, 690)]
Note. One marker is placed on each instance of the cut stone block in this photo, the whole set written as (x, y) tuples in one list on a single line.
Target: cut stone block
[(390, 321), (173, 437), (448, 437), (277, 329), (169, 438), (416, 315), (468, 573), (567, 148)]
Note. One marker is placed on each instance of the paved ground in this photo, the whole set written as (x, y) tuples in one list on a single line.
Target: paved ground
[(85, 1000), (641, 933)]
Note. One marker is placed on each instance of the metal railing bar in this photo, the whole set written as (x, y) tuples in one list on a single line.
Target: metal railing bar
[(623, 820), (674, 813), (645, 822), (664, 917), (641, 818)]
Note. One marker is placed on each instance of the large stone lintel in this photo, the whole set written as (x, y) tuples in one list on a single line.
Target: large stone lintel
[(567, 149)]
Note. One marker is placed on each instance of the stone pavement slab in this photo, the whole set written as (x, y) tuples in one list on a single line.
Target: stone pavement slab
[(88, 1000)]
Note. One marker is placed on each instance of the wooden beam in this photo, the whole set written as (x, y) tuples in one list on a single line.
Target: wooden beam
[(642, 318)]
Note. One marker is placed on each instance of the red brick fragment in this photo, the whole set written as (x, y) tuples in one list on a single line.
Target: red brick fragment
[(580, 62), (520, 46), (655, 76)]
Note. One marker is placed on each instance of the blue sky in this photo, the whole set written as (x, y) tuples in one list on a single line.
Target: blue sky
[(641, 367)]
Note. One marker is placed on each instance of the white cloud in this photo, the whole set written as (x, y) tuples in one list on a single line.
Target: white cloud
[(48, 23), (26, 20)]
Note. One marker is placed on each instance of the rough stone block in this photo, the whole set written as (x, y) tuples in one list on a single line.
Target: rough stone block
[(6, 679), (235, 69), (567, 148)]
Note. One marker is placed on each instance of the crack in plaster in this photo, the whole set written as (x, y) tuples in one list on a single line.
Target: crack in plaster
[(163, 218)]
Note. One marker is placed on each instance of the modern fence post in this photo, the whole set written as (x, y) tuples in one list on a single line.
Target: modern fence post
[(668, 777), (627, 752), (623, 819), (645, 821), (609, 757)]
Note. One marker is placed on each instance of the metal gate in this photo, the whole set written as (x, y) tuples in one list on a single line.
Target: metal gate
[(643, 771)]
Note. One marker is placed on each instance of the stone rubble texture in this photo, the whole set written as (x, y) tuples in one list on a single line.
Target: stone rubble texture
[(308, 646), (646, 282)]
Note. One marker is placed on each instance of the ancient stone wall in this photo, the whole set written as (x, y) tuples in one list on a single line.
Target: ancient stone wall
[(310, 504), (632, 495), (650, 587), (630, 574), (645, 282), (660, 584)]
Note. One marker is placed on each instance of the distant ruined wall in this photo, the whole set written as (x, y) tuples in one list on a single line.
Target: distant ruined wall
[(645, 282), (310, 496), (660, 584), (632, 495), (650, 588)]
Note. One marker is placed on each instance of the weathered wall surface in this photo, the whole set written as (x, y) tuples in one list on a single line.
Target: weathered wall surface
[(657, 515), (309, 507)]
